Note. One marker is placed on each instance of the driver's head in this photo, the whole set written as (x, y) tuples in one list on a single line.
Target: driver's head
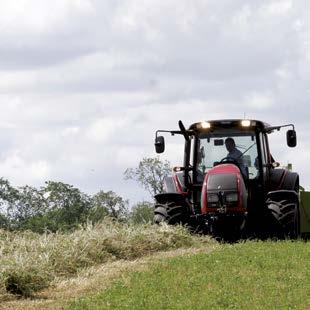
[(230, 144)]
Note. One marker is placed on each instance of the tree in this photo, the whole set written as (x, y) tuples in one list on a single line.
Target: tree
[(67, 205), (29, 202), (108, 204), (142, 213), (8, 197), (56, 206), (150, 173), (7, 192)]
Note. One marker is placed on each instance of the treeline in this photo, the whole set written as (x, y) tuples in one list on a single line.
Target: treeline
[(61, 207)]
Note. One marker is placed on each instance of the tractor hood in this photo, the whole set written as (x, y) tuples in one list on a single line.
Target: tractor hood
[(224, 190)]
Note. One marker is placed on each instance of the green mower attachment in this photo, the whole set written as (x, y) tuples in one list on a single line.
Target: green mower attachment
[(304, 211)]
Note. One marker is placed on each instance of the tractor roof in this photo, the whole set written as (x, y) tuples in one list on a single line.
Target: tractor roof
[(230, 123)]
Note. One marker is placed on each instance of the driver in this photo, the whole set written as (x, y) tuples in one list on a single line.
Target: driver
[(235, 154)]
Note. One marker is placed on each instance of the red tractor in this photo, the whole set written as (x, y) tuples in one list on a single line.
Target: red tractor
[(230, 185)]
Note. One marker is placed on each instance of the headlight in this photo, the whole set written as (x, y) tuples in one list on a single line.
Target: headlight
[(213, 198), (232, 197)]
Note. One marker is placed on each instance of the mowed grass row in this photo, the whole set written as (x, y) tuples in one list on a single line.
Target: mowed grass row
[(29, 262), (250, 275)]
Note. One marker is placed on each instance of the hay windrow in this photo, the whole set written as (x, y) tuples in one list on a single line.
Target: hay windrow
[(30, 262)]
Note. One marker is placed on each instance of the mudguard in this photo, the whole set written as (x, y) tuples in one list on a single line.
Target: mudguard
[(283, 179), (171, 197), (275, 178), (291, 181)]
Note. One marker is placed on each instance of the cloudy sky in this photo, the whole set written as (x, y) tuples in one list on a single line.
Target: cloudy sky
[(84, 84)]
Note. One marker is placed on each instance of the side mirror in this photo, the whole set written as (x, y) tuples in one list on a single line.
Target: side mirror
[(160, 144), (291, 138)]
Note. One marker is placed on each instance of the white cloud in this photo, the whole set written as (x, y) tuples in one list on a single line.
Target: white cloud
[(40, 170), (39, 17), (85, 84), (259, 101), (70, 131), (104, 129), (279, 7), (21, 171)]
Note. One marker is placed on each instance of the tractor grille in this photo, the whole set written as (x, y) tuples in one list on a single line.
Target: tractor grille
[(222, 199)]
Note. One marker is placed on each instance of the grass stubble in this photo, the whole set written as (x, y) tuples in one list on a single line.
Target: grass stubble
[(247, 275)]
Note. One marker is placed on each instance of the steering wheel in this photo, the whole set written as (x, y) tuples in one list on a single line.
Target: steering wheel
[(234, 161), (230, 160)]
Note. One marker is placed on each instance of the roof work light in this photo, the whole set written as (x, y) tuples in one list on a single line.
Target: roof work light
[(245, 123), (205, 125)]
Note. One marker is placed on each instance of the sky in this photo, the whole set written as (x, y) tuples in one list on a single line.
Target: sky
[(84, 84)]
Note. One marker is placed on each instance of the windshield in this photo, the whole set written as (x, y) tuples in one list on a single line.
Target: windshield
[(239, 147)]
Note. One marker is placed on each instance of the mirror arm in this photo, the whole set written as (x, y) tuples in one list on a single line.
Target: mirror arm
[(270, 129), (172, 132)]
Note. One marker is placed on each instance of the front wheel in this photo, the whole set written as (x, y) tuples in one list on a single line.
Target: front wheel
[(286, 217), (171, 213)]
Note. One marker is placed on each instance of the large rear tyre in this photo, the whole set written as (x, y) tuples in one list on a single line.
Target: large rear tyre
[(171, 213), (285, 217)]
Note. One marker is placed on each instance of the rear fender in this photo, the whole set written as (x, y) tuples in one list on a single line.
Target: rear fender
[(276, 178), (291, 182), (171, 197), (283, 179)]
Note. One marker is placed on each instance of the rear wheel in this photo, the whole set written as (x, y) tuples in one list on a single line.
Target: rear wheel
[(286, 218), (171, 213)]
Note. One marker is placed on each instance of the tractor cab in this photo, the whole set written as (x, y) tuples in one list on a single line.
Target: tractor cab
[(229, 179), (215, 149), (219, 146)]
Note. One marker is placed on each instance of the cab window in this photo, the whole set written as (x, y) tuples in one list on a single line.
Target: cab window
[(216, 147)]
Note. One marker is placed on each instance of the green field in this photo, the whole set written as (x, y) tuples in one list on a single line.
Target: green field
[(251, 275)]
